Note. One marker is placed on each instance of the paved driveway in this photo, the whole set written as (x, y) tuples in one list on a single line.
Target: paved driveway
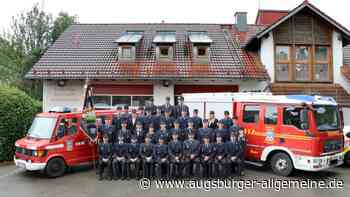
[(15, 182)]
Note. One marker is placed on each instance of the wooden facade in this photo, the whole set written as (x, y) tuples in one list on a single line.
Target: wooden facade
[(308, 31)]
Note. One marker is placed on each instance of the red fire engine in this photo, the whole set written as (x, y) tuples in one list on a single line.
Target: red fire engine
[(286, 132), (44, 149)]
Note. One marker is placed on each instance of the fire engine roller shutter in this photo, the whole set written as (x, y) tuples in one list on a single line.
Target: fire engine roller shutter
[(123, 89), (180, 89)]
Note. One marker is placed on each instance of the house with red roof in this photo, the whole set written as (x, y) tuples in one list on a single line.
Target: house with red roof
[(299, 51)]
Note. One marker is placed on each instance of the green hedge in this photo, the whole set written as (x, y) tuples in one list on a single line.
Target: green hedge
[(17, 111)]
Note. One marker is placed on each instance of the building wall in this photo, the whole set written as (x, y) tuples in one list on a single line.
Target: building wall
[(267, 55), (337, 51), (160, 92), (71, 95)]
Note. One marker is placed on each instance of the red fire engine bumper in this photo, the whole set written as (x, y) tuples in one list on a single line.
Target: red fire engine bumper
[(28, 165), (307, 163)]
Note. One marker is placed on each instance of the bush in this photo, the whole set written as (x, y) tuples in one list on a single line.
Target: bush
[(17, 110)]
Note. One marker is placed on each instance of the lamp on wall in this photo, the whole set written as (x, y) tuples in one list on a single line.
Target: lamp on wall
[(61, 83), (166, 83)]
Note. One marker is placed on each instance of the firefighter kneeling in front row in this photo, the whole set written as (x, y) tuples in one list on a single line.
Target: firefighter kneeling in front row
[(105, 151)]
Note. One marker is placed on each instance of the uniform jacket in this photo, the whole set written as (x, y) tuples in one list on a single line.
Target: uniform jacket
[(105, 151), (175, 148)]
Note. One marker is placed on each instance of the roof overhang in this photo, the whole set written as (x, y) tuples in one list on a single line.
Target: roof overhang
[(165, 37), (130, 38), (199, 37), (344, 31)]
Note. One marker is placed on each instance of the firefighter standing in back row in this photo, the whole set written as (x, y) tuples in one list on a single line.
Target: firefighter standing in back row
[(181, 107)]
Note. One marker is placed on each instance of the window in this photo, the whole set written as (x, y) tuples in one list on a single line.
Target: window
[(321, 64), (141, 100), (121, 101), (291, 116), (126, 52), (102, 101), (282, 63), (164, 52), (271, 115), (302, 63), (251, 113), (327, 118), (202, 51)]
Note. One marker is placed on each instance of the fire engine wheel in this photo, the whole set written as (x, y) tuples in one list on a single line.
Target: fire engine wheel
[(55, 168), (281, 164), (347, 159)]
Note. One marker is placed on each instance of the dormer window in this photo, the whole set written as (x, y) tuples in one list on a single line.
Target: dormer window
[(201, 44), (127, 44), (164, 41), (126, 52)]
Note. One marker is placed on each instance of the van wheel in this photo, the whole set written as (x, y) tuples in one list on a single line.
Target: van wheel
[(55, 168), (347, 159), (281, 164)]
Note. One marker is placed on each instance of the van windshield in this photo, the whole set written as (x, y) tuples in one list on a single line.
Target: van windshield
[(42, 127), (327, 117)]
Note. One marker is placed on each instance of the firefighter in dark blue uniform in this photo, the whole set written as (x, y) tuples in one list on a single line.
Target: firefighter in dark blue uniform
[(191, 158), (183, 120), (180, 107), (175, 155), (125, 132), (234, 128), (205, 131), (221, 131), (139, 132), (156, 118), (161, 159), (133, 159), (212, 121), (168, 107), (178, 130), (190, 129), (241, 154), (197, 121), (207, 154), (120, 152), (163, 131), (227, 121), (105, 151), (152, 134), (169, 121), (219, 165), (105, 129), (134, 119), (232, 149), (116, 125), (148, 119), (126, 116), (146, 153)]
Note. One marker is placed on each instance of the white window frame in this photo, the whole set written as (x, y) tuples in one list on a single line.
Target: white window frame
[(131, 97)]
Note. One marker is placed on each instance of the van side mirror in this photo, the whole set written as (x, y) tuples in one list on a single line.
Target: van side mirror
[(347, 134), (304, 119)]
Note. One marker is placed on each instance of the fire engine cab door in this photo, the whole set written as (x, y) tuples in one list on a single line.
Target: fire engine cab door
[(67, 137), (272, 134)]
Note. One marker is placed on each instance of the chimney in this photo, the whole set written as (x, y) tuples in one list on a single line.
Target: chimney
[(241, 21)]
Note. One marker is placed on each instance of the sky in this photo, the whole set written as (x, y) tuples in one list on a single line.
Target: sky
[(175, 11)]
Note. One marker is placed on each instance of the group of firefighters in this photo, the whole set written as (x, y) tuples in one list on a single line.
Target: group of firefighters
[(165, 142)]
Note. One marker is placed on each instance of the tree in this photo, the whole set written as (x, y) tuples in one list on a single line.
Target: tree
[(62, 22), (31, 34), (31, 31)]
